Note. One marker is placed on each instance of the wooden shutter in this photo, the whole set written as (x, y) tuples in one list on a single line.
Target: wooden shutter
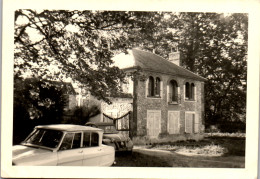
[(153, 123), (173, 122), (157, 125), (188, 122), (149, 123), (196, 123)]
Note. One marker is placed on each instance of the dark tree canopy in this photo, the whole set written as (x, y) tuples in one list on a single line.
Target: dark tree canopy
[(60, 44)]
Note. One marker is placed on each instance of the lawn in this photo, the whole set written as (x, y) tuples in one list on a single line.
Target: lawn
[(214, 151)]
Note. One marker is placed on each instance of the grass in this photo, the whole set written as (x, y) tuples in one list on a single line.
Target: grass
[(205, 153), (217, 150), (212, 145)]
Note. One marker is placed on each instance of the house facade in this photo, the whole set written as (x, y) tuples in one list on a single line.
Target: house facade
[(167, 100)]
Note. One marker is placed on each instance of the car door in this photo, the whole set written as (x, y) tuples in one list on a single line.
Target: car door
[(91, 149), (70, 152), (107, 155)]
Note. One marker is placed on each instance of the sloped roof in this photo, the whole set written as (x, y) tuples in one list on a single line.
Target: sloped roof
[(152, 62)]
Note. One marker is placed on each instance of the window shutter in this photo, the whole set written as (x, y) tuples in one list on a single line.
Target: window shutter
[(170, 123), (149, 125), (188, 123), (196, 123), (176, 121), (146, 87), (161, 89), (157, 125), (173, 122)]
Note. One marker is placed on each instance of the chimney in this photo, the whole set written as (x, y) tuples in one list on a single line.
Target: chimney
[(175, 57)]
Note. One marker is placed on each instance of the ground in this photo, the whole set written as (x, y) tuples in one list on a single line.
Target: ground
[(160, 156)]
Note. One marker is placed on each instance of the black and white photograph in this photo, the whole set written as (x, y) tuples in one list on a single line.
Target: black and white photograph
[(130, 91)]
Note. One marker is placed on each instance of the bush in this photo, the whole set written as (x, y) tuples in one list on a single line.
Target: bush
[(82, 114)]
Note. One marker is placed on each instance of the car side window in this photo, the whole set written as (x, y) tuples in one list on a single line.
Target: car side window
[(94, 139), (90, 139), (71, 141), (76, 141), (86, 139)]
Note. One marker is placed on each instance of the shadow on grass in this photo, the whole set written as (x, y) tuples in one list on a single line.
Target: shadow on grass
[(235, 145), (135, 159)]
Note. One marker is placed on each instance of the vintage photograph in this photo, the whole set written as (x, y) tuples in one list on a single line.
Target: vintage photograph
[(129, 88), (98, 90)]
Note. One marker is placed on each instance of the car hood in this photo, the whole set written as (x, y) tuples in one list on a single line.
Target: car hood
[(117, 137), (24, 153)]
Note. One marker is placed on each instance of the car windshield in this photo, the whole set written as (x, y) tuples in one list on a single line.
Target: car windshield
[(45, 138), (108, 129)]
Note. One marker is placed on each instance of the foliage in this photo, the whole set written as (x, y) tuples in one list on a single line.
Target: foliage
[(82, 114), (70, 44), (61, 44), (36, 102), (213, 45)]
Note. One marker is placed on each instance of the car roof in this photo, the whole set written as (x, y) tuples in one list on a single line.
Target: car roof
[(68, 127)]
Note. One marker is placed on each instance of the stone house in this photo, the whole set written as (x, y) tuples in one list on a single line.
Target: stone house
[(166, 99)]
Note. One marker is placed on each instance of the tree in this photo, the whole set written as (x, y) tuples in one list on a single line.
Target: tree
[(215, 46), (70, 44), (36, 103), (59, 44)]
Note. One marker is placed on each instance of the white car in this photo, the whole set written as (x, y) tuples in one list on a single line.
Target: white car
[(64, 145)]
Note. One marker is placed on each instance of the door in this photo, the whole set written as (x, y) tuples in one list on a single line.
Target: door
[(70, 153), (173, 122), (153, 123), (92, 152)]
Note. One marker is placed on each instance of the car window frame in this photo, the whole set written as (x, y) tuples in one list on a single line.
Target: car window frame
[(68, 132), (91, 133)]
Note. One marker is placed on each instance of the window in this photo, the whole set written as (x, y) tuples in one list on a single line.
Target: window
[(192, 89), (173, 91), (90, 139), (154, 87), (157, 87), (46, 138), (189, 91), (71, 141), (151, 86)]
